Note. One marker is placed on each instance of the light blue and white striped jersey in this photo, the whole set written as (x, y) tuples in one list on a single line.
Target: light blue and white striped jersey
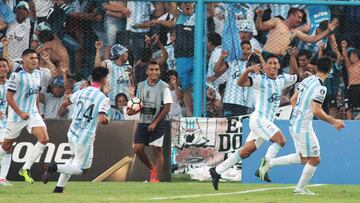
[(118, 79), (26, 87), (316, 14), (310, 89), (268, 93), (3, 105), (88, 104), (245, 13), (234, 94), (171, 61), (140, 12)]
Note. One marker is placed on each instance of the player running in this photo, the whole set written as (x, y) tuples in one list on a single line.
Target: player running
[(22, 97), (268, 90), (90, 107), (307, 102)]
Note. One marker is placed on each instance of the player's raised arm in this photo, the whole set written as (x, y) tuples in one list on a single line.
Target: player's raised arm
[(244, 80), (63, 108)]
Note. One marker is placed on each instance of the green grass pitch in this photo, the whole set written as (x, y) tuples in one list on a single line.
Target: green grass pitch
[(178, 191)]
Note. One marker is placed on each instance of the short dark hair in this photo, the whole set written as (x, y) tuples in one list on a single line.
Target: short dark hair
[(4, 59), (152, 62), (98, 73), (214, 38), (245, 42), (170, 73), (273, 56), (28, 51), (324, 64), (323, 25), (46, 36), (295, 10), (305, 52)]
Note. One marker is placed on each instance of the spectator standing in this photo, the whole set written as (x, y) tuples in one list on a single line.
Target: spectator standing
[(120, 78), (18, 32)]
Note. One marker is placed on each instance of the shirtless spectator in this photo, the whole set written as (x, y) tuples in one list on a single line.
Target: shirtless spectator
[(352, 65), (282, 32), (53, 47)]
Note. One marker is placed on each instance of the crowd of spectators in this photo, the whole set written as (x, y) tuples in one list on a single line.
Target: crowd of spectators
[(72, 36)]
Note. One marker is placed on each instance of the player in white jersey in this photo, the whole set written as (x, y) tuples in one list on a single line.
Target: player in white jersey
[(22, 97), (91, 107), (120, 77), (267, 92), (6, 160), (307, 102)]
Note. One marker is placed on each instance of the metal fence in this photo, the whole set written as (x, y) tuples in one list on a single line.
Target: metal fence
[(202, 46)]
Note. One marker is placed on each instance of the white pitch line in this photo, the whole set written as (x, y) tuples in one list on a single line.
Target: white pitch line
[(228, 193)]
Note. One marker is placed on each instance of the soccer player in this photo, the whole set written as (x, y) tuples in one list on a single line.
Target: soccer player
[(6, 160), (307, 102), (156, 97), (267, 91), (22, 96), (90, 107)]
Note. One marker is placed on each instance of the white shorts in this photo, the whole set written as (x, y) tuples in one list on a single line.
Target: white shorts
[(261, 129), (2, 134), (13, 129), (306, 143), (83, 154)]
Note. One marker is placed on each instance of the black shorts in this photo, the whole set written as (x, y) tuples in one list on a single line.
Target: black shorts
[(354, 95), (143, 136)]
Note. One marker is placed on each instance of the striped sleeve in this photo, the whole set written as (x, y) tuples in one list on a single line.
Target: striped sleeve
[(319, 94), (13, 82)]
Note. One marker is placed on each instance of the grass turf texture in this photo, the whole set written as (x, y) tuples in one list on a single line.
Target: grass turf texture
[(181, 186)]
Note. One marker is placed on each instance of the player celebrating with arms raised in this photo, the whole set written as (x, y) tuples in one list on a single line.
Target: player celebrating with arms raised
[(268, 90), (91, 107), (307, 102)]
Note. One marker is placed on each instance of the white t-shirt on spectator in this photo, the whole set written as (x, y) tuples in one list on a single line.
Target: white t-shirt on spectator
[(175, 109), (42, 7), (52, 106), (45, 80), (19, 38), (215, 55)]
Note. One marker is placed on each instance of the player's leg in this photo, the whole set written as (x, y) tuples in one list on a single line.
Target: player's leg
[(41, 134), (294, 158), (156, 141), (250, 146), (4, 166), (142, 138), (311, 154), (13, 131), (159, 163)]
